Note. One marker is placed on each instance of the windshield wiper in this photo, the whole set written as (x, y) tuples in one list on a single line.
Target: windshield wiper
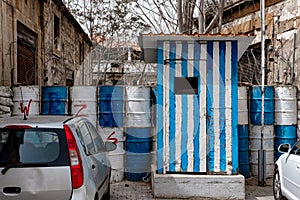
[(19, 164)]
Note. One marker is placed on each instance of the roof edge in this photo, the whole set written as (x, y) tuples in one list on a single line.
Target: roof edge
[(148, 42)]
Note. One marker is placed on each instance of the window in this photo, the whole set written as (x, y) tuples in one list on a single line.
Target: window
[(29, 146), (86, 137), (186, 85), (96, 137), (81, 52), (56, 34), (26, 56), (69, 77), (296, 149)]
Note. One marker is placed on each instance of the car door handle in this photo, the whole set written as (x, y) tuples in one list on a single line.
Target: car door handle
[(298, 167), (12, 190), (93, 166)]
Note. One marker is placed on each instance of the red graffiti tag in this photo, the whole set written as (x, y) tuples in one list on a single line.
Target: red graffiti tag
[(25, 108), (115, 140), (83, 106)]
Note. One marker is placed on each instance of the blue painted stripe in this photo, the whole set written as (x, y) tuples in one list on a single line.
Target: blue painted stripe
[(234, 101), (172, 114), (209, 105), (222, 120), (184, 122), (160, 110), (197, 51)]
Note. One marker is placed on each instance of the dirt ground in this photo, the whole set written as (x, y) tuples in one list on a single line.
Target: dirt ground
[(256, 192), (127, 190)]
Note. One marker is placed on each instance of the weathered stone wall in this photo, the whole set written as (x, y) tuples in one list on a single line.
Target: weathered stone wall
[(6, 42), (54, 56), (67, 54), (282, 24), (6, 102)]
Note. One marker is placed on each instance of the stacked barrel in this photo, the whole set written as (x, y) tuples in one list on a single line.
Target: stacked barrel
[(111, 111), (285, 116), (111, 106), (261, 136), (243, 135), (54, 100), (26, 100), (138, 143), (83, 102)]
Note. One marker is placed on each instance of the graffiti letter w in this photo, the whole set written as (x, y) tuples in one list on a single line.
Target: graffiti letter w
[(25, 108)]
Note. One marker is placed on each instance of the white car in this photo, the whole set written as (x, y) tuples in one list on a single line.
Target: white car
[(53, 157), (286, 182)]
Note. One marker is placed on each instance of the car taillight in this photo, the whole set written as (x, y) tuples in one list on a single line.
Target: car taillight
[(17, 126), (76, 166)]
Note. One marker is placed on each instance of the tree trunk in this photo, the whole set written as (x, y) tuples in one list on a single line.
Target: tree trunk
[(201, 17), (179, 15)]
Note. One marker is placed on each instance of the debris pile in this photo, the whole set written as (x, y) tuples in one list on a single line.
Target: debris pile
[(6, 101)]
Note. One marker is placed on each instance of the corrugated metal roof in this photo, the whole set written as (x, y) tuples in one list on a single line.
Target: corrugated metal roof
[(148, 42)]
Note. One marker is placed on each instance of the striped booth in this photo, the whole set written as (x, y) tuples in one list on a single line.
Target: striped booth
[(197, 101)]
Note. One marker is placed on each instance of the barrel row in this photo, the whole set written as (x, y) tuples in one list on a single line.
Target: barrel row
[(123, 114), (279, 125)]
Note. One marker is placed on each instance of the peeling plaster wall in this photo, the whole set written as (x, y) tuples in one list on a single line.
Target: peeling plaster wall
[(282, 22), (51, 62), (67, 55), (6, 42)]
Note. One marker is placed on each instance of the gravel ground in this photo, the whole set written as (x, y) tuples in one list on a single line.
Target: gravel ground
[(253, 191), (128, 190)]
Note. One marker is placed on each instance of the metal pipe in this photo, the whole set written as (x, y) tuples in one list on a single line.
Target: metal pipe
[(82, 61), (261, 179), (293, 62)]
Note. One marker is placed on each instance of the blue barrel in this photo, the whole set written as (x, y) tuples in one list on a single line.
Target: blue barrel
[(284, 134), (256, 107), (138, 153), (54, 100), (244, 159), (111, 106)]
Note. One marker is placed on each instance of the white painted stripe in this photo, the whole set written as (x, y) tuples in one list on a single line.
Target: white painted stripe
[(178, 122), (202, 108), (216, 106), (166, 107), (228, 107), (190, 129)]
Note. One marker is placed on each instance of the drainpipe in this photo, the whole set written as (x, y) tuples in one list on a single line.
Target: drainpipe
[(82, 63), (293, 62), (261, 152)]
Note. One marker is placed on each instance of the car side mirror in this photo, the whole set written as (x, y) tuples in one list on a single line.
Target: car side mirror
[(110, 146), (284, 148)]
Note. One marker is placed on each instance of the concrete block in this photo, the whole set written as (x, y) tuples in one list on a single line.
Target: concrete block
[(198, 186)]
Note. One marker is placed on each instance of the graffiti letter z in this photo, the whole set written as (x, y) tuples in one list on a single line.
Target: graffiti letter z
[(83, 106)]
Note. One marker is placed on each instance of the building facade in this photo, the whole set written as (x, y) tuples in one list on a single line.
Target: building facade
[(42, 44), (282, 37)]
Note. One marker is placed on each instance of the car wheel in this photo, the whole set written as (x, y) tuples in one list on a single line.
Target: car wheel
[(106, 196), (277, 186)]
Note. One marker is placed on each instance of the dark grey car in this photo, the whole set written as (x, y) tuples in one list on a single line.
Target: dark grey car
[(53, 157)]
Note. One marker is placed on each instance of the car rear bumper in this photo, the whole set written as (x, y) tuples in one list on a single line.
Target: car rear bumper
[(80, 194)]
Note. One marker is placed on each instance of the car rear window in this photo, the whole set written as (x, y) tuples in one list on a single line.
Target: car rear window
[(33, 146)]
